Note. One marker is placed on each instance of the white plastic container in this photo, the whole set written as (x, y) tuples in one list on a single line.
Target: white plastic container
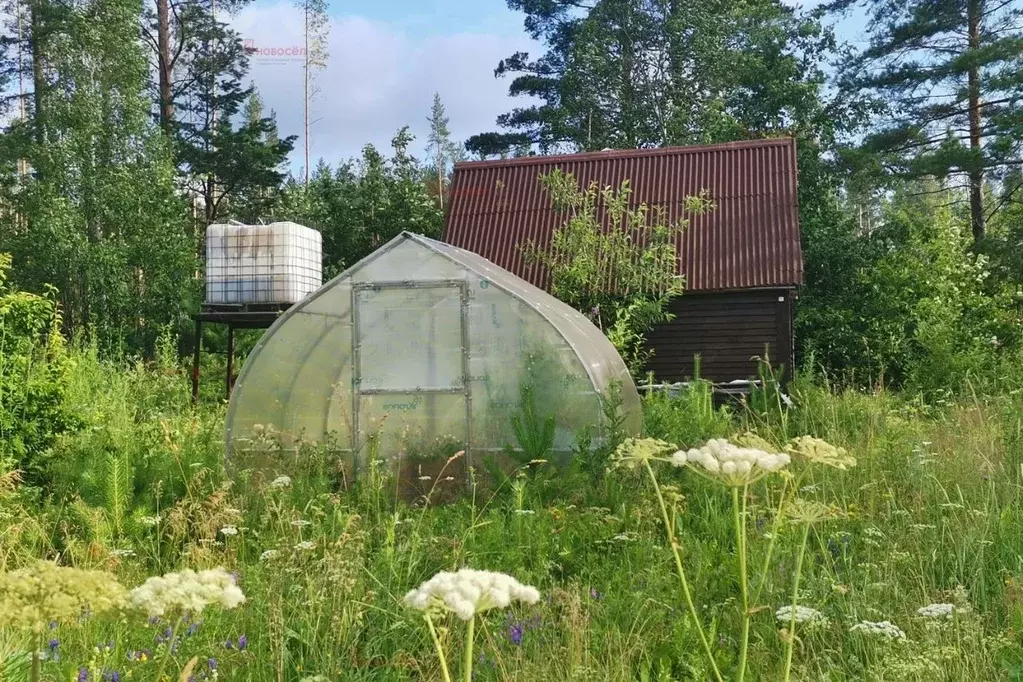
[(275, 263)]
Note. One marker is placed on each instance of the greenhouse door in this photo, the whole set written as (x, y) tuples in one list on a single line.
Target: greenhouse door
[(410, 363)]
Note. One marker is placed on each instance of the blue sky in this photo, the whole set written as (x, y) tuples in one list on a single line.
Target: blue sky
[(387, 58)]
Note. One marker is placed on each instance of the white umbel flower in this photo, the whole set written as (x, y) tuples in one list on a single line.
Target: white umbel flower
[(734, 464), (804, 615), (268, 555), (937, 610), (229, 531), (882, 629), (468, 592), (281, 482), (189, 591)]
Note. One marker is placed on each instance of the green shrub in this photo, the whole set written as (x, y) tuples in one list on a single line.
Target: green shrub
[(34, 369)]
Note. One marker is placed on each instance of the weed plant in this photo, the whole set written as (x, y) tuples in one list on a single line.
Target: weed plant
[(914, 574)]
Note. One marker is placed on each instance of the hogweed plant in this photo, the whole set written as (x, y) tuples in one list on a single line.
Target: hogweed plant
[(33, 597), (738, 466), (466, 593)]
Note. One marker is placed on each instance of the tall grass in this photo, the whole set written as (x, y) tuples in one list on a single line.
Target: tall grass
[(931, 513)]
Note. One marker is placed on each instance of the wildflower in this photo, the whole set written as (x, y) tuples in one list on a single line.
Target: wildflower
[(305, 545), (468, 592), (122, 552), (804, 615), (230, 531), (881, 629), (141, 656), (301, 523), (243, 642), (424, 478), (281, 482), (150, 521), (636, 451), (937, 610), (811, 511), (819, 451), (212, 663), (268, 554), (732, 464), (524, 512), (188, 590), (83, 675), (515, 632), (44, 593)]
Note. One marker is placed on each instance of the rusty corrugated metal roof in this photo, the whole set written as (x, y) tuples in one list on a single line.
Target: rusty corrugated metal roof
[(751, 240)]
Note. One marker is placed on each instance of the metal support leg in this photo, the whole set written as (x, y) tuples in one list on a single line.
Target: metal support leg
[(230, 359), (195, 361)]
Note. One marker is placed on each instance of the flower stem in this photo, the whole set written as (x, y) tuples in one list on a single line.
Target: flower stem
[(440, 649), (170, 649), (739, 517), (682, 574), (470, 631), (795, 598), (38, 642)]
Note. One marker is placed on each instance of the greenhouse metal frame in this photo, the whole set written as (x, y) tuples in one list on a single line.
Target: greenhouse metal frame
[(469, 279)]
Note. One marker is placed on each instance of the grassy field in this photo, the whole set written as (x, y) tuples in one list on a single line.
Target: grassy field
[(931, 513)]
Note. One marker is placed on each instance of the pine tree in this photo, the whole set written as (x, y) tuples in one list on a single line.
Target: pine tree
[(223, 161), (316, 31), (948, 78), (439, 145)]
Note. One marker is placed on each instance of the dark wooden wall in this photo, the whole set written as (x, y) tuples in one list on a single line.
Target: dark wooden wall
[(727, 330)]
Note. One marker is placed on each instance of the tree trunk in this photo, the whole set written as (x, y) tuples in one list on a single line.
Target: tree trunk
[(164, 64), (38, 69), (977, 170), (306, 98)]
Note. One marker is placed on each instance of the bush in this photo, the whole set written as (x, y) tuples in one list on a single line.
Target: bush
[(33, 380)]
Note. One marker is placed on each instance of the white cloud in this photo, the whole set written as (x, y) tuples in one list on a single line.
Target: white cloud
[(377, 79)]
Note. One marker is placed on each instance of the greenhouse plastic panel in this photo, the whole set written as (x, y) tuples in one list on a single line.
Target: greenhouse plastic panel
[(425, 348)]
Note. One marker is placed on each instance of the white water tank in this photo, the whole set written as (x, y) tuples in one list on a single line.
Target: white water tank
[(276, 263)]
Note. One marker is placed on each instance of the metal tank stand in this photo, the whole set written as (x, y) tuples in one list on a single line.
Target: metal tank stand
[(240, 316)]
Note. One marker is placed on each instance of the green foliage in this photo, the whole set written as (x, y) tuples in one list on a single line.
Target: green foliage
[(99, 216), (34, 366), (613, 261), (633, 73), (938, 482), (357, 207), (688, 418), (945, 78), (534, 432), (907, 304)]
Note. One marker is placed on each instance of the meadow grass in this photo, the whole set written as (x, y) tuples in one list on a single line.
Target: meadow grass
[(931, 513)]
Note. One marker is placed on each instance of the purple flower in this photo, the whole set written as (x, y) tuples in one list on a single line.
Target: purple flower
[(212, 663), (243, 642), (228, 644), (83, 675), (191, 629), (515, 633), (53, 644), (595, 595), (153, 620), (112, 676), (53, 625)]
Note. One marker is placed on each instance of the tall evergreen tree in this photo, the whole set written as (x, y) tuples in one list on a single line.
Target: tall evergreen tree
[(636, 73), (440, 146), (948, 77), (224, 159), (316, 31)]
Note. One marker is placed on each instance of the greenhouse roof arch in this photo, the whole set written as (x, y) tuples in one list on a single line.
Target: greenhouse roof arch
[(421, 343)]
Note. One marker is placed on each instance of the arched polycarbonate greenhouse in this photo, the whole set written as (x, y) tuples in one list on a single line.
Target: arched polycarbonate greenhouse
[(419, 343)]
